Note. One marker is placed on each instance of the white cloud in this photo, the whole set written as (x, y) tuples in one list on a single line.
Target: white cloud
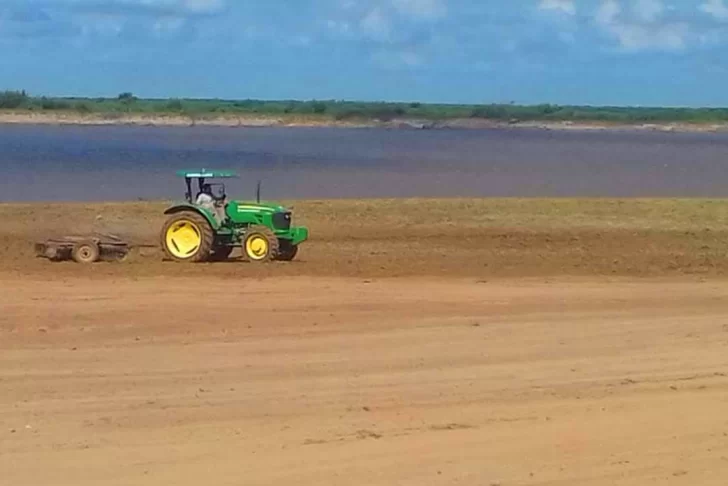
[(638, 37), (195, 6), (565, 6), (185, 7), (390, 27), (204, 5), (608, 12), (397, 59), (103, 25), (382, 20), (648, 10), (376, 25), (427, 9), (112, 18), (642, 32), (716, 8), (340, 27), (166, 25)]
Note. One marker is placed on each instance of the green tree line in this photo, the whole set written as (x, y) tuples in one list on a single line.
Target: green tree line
[(353, 110)]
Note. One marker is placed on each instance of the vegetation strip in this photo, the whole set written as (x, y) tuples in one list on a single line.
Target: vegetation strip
[(322, 111)]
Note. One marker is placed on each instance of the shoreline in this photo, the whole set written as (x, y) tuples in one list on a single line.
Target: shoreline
[(247, 121)]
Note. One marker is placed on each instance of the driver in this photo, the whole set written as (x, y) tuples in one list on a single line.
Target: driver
[(207, 200)]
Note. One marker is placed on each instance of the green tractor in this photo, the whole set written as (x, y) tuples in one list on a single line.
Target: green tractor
[(208, 227)]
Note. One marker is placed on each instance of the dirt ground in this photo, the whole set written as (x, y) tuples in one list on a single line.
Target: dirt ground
[(481, 239), (315, 380), (493, 343)]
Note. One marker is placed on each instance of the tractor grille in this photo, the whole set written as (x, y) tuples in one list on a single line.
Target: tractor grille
[(282, 221)]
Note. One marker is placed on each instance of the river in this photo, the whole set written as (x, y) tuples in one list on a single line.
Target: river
[(82, 163)]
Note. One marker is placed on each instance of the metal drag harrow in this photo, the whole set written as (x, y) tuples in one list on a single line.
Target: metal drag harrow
[(83, 249)]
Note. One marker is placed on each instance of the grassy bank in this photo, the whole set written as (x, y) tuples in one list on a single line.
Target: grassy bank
[(19, 105), (481, 238)]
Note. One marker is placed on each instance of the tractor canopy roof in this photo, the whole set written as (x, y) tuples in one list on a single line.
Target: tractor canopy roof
[(207, 174)]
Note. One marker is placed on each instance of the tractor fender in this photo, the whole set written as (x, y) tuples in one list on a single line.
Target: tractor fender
[(180, 208)]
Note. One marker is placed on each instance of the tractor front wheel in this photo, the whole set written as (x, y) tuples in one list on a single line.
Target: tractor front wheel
[(260, 244), (288, 251), (187, 237)]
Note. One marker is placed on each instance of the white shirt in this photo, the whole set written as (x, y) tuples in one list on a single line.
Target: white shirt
[(205, 199)]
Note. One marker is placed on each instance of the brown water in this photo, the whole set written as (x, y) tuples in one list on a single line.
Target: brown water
[(119, 162)]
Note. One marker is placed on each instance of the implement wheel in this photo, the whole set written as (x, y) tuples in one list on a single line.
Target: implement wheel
[(187, 237), (86, 251), (260, 244)]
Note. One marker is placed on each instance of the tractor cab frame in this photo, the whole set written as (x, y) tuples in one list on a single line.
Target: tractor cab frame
[(202, 177)]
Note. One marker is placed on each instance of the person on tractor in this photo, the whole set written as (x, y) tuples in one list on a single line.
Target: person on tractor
[(206, 199)]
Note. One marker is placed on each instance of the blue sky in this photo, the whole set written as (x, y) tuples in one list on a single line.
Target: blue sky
[(619, 52)]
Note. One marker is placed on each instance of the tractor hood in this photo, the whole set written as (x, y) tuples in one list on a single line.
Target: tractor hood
[(253, 207)]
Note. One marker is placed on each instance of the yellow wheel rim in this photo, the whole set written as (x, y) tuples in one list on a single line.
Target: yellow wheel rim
[(183, 239), (256, 247)]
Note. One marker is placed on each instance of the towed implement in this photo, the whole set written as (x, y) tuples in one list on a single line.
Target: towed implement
[(208, 226), (83, 249)]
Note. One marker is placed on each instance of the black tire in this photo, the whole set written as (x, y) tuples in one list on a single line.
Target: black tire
[(86, 251), (207, 237), (51, 252), (221, 253), (256, 232), (287, 251)]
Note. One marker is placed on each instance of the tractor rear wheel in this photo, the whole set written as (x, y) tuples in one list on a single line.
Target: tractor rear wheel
[(288, 251), (187, 237), (260, 244)]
